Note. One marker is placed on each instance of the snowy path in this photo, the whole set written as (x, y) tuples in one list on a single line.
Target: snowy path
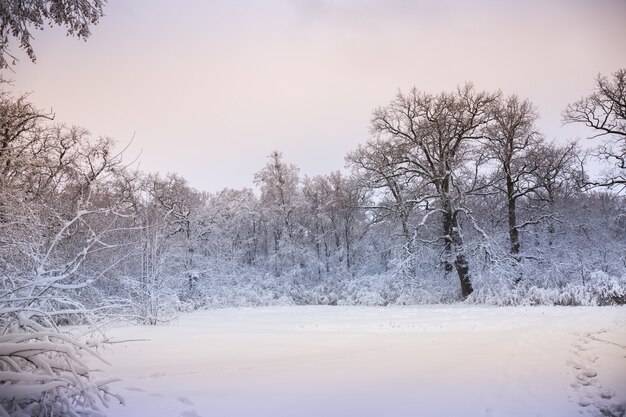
[(361, 361)]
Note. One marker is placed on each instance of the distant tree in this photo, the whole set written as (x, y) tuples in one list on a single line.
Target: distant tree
[(280, 204), (231, 229), (558, 171), (377, 165), (511, 138), (316, 222), (335, 218), (179, 206), (19, 17), (604, 110), (557, 175)]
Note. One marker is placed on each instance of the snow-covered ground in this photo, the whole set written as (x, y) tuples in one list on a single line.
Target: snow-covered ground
[(363, 361)]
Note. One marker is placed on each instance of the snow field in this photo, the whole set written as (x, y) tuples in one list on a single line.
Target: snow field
[(370, 361)]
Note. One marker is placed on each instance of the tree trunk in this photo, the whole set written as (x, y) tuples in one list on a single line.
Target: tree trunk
[(462, 269), (513, 230), (454, 242), (447, 231)]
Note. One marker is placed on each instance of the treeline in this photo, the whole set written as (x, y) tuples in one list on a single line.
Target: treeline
[(456, 196)]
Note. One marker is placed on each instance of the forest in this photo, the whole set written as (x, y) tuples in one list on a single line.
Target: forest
[(456, 197)]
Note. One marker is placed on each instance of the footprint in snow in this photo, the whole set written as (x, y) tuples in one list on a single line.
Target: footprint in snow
[(607, 395), (591, 374), (591, 394), (185, 400), (189, 414)]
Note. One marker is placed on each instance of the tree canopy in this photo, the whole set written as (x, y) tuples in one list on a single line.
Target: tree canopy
[(19, 17)]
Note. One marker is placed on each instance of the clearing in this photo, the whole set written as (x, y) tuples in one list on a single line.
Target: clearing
[(375, 361)]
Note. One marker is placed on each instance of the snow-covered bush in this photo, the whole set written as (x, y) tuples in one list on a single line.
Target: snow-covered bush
[(600, 289), (43, 370), (607, 289)]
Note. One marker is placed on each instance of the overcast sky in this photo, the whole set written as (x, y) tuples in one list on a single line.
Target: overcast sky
[(210, 88)]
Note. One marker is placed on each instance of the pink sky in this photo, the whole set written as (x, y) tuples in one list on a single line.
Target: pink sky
[(210, 88)]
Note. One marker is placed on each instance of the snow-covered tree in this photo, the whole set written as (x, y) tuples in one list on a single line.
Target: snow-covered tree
[(281, 205), (18, 18), (511, 139), (436, 136), (378, 166), (49, 227), (604, 111), (335, 221)]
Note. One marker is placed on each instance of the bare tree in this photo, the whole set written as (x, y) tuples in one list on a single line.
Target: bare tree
[(20, 127), (557, 175), (511, 138), (605, 111), (435, 135), (378, 166)]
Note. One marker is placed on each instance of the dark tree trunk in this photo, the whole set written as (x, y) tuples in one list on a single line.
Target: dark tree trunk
[(447, 231), (348, 248), (454, 242), (513, 230), (462, 269), (512, 215)]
